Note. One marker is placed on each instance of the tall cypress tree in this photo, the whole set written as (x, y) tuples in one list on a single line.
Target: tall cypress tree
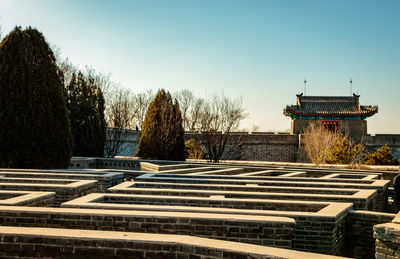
[(162, 132), (34, 125), (86, 107)]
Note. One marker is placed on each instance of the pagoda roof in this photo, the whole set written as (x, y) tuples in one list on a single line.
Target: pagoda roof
[(329, 106)]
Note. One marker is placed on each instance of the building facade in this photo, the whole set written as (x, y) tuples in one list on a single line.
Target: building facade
[(335, 113)]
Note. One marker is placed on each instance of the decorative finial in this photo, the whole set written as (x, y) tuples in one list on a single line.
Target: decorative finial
[(305, 86), (351, 85)]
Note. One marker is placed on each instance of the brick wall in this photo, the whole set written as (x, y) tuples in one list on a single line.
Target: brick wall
[(245, 192), (45, 242), (104, 180), (238, 203), (64, 192), (387, 241), (282, 147), (320, 234), (359, 240), (260, 230), (18, 198), (380, 185), (42, 202)]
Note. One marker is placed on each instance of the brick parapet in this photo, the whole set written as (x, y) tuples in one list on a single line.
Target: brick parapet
[(64, 189), (46, 242), (26, 198), (319, 225), (378, 204), (105, 179), (361, 199), (262, 230), (359, 240), (387, 239)]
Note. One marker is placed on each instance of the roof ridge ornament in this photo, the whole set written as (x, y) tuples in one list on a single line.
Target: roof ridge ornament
[(305, 86), (351, 86)]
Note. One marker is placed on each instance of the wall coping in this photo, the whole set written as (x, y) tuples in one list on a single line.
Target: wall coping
[(261, 163), (164, 239), (137, 213), (367, 212)]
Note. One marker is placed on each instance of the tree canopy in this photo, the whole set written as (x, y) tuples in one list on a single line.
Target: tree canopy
[(162, 132), (86, 109), (382, 156), (35, 130)]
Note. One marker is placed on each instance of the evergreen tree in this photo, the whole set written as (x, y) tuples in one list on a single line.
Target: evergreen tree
[(162, 132), (344, 151), (35, 130), (382, 156), (86, 109), (193, 149)]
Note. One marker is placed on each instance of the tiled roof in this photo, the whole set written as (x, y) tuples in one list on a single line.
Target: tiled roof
[(346, 106)]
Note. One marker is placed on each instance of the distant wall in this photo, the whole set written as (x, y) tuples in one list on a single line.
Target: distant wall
[(267, 146), (128, 147), (270, 147), (376, 142)]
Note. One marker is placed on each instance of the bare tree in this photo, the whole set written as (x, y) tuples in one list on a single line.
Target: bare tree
[(122, 107), (141, 102), (103, 80), (120, 115), (66, 67), (194, 114), (191, 107), (120, 111), (185, 98), (219, 117)]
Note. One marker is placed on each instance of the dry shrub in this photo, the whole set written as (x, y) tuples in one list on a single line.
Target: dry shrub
[(193, 149), (327, 147), (318, 143), (382, 156)]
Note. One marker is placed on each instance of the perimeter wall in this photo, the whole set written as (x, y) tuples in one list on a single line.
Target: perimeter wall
[(269, 146)]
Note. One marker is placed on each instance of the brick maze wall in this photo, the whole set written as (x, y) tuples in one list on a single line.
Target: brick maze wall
[(359, 240), (45, 242), (247, 213), (213, 202), (378, 203), (367, 199), (27, 198), (318, 225), (387, 239), (65, 189), (247, 229)]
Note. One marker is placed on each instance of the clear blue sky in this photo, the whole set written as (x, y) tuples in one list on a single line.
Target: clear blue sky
[(260, 50)]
